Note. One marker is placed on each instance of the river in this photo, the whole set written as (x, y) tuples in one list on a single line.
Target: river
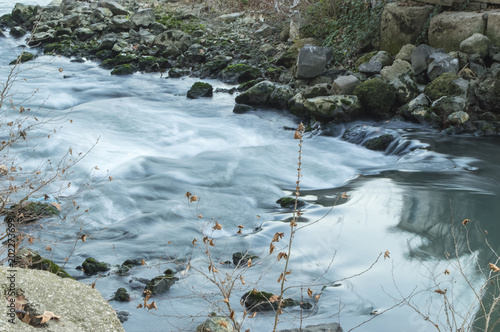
[(157, 145)]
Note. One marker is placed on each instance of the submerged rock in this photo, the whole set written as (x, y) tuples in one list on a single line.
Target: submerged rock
[(332, 327), (200, 89), (29, 212), (289, 202), (380, 143), (241, 258), (31, 259), (258, 94), (161, 284), (264, 301), (24, 57), (91, 266), (121, 295)]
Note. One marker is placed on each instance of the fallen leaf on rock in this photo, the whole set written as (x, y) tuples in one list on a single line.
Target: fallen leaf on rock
[(46, 316)]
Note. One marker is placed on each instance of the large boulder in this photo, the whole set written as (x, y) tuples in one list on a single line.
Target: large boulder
[(492, 31), (377, 97), (476, 44), (280, 96), (447, 105), (440, 63), (400, 76), (22, 14), (313, 60), (338, 108), (448, 29), (200, 89), (258, 94), (419, 58), (444, 85), (81, 307), (401, 25)]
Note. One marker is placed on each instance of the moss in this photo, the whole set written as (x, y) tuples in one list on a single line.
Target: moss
[(260, 301), (24, 57), (121, 295), (364, 58), (239, 73), (91, 266), (345, 101), (185, 23), (442, 86), (30, 212), (132, 262), (376, 96), (123, 70), (6, 20), (200, 89), (161, 284), (289, 202), (40, 263)]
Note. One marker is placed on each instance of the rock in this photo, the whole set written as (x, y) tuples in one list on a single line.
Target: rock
[(41, 38), (196, 53), (121, 22), (84, 33), (332, 327), (200, 89), (446, 105), (81, 307), (289, 202), (121, 295), (477, 43), (122, 316), (289, 57), (241, 258), (488, 92), (401, 25), (264, 31), (417, 103), (492, 31), (383, 57), (280, 96), (173, 42), (216, 64), (443, 86), (267, 49), (143, 18), (216, 324), (114, 7), (419, 58), (448, 29), (370, 68), (345, 85), (380, 143), (17, 32), (297, 107), (312, 61), (24, 13), (30, 259), (339, 108), (242, 108), (317, 90), (29, 211), (257, 95), (377, 97), (91, 266), (458, 118), (178, 72), (231, 17), (70, 21), (259, 301), (400, 76), (239, 73), (425, 116), (125, 69), (405, 53), (161, 284)]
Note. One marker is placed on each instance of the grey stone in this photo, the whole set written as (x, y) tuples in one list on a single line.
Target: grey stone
[(264, 31), (259, 94), (81, 307), (121, 22), (345, 85), (84, 33), (322, 89), (448, 29), (173, 42), (446, 105), (24, 13), (71, 21), (405, 52), (383, 57), (17, 32), (492, 31), (477, 69), (338, 108), (425, 116), (143, 18), (312, 61), (487, 92), (458, 118), (419, 58), (267, 49), (400, 76), (216, 324), (440, 63), (196, 53), (231, 17), (242, 108), (477, 43), (280, 96), (371, 67), (114, 6)]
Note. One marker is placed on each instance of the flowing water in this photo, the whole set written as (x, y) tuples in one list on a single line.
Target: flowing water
[(157, 145)]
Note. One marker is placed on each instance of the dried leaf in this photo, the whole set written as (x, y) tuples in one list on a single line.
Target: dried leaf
[(83, 237), (139, 306), (152, 305), (447, 272), (274, 298), (226, 300), (439, 291), (253, 315), (344, 195), (193, 198), (278, 236), (241, 226), (143, 262), (61, 70), (211, 242), (387, 254), (239, 231), (188, 194), (48, 248), (26, 319), (222, 323), (297, 135), (317, 297), (194, 242), (309, 292), (231, 316), (217, 226), (110, 178), (200, 216), (46, 316), (249, 264), (271, 248), (242, 281), (56, 205), (493, 267), (280, 278), (465, 221), (282, 255), (30, 240)]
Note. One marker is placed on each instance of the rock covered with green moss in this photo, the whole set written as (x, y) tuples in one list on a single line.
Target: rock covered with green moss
[(200, 89), (29, 212), (264, 301), (24, 57), (377, 97), (91, 266), (31, 259), (239, 73), (161, 284)]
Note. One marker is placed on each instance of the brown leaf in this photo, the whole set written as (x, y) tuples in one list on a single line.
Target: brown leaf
[(241, 226), (83, 237), (200, 216), (152, 305), (193, 198), (139, 306), (280, 278), (143, 262), (282, 255), (194, 242), (278, 236), (211, 242), (493, 267), (309, 292), (217, 226), (239, 231), (317, 297), (465, 221), (387, 254), (46, 316), (274, 298), (447, 272), (231, 316), (110, 178), (271, 248), (249, 264), (188, 194), (439, 291), (253, 315), (297, 135), (61, 70), (344, 195), (26, 319), (56, 205), (226, 300), (30, 240), (48, 248), (242, 281), (222, 323)]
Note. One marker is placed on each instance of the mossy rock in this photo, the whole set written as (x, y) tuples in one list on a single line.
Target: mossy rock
[(364, 58), (30, 212), (32, 260), (6, 21), (120, 59), (161, 284), (289, 58), (442, 86), (241, 258), (289, 202), (153, 64), (376, 96), (379, 143), (25, 57), (92, 266), (121, 295), (239, 73), (260, 301), (123, 70), (130, 263), (200, 89)]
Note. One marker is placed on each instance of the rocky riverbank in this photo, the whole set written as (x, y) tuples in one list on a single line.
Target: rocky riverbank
[(454, 91)]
